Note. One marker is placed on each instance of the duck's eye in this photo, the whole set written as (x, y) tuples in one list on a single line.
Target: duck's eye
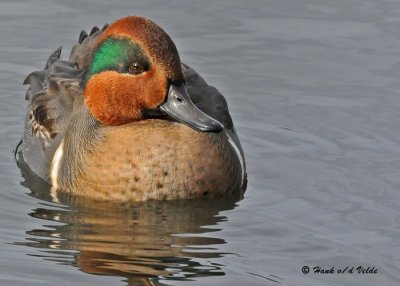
[(136, 68)]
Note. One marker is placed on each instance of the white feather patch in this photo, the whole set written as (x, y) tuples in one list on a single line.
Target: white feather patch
[(239, 155), (55, 164)]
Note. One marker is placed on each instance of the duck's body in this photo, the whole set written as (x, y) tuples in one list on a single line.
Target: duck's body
[(81, 137)]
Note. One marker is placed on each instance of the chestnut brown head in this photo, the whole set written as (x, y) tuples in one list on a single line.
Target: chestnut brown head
[(136, 68)]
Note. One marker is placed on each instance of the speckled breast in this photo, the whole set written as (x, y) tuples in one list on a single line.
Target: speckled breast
[(158, 159)]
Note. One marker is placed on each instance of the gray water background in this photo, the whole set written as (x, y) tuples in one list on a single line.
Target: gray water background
[(313, 88)]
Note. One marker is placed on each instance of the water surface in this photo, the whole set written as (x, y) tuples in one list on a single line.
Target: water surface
[(313, 88)]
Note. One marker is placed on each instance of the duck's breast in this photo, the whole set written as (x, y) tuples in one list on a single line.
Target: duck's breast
[(158, 159)]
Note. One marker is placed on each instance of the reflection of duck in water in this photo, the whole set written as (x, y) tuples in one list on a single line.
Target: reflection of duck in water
[(140, 241), (123, 119)]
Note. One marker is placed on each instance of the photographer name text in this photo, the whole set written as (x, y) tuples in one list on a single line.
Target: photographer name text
[(340, 270)]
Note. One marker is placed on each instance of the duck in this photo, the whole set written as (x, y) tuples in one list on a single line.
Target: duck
[(124, 119)]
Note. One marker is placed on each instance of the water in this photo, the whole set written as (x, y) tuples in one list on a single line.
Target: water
[(313, 87)]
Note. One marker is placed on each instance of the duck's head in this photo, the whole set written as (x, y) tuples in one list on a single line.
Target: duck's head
[(135, 72)]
